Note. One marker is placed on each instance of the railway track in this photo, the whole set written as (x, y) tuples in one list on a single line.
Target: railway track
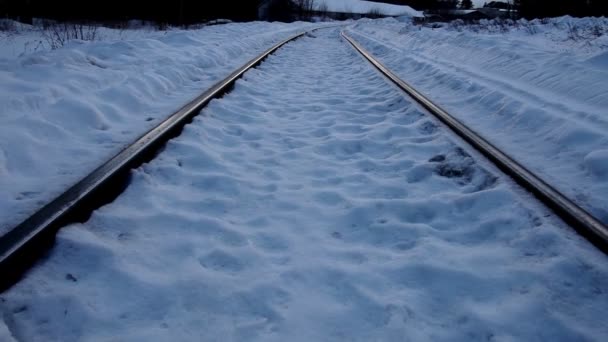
[(388, 151)]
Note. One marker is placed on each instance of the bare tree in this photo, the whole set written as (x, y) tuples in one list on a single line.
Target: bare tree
[(323, 10), (305, 8), (58, 34), (374, 13)]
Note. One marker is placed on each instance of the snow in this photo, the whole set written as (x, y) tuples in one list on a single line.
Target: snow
[(600, 60), (315, 202), (480, 3), (362, 7), (63, 112), (597, 163), (537, 90)]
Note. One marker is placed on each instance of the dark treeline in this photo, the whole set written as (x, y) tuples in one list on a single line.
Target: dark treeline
[(174, 12), (185, 12), (424, 4), (527, 8), (554, 8)]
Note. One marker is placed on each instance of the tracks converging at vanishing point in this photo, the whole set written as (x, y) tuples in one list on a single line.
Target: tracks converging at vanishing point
[(28, 241)]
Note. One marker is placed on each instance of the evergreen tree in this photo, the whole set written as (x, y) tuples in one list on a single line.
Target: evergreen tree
[(466, 4)]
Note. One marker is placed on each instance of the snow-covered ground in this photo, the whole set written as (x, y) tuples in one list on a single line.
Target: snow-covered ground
[(363, 7), (64, 111), (315, 203), (538, 90), (480, 3)]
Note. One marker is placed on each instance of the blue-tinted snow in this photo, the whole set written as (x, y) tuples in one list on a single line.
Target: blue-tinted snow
[(315, 203)]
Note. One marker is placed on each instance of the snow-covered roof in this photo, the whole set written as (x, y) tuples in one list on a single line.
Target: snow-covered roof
[(362, 7), (462, 12)]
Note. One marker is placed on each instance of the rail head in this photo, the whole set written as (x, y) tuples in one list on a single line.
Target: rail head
[(582, 221)]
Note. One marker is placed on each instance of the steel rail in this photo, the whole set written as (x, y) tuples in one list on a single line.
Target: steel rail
[(579, 219), (26, 242)]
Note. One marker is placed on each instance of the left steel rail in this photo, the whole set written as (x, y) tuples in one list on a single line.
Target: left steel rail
[(23, 245)]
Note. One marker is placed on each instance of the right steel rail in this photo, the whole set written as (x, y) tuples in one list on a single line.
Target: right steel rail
[(583, 222)]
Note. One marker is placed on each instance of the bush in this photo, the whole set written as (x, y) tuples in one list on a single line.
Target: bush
[(529, 27), (58, 34), (374, 13), (7, 25)]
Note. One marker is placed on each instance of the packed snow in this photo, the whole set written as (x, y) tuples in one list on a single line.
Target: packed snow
[(536, 89), (363, 7), (65, 111), (315, 203)]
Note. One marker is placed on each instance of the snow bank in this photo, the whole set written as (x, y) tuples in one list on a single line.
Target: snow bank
[(63, 112), (597, 164), (600, 61), (315, 203), (362, 7), (536, 89)]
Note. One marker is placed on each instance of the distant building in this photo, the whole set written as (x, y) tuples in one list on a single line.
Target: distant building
[(499, 9), (498, 4), (447, 15), (498, 12), (468, 14), (474, 14), (289, 10)]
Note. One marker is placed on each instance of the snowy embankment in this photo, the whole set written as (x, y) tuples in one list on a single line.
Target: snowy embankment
[(314, 203), (538, 90), (363, 7), (64, 111)]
